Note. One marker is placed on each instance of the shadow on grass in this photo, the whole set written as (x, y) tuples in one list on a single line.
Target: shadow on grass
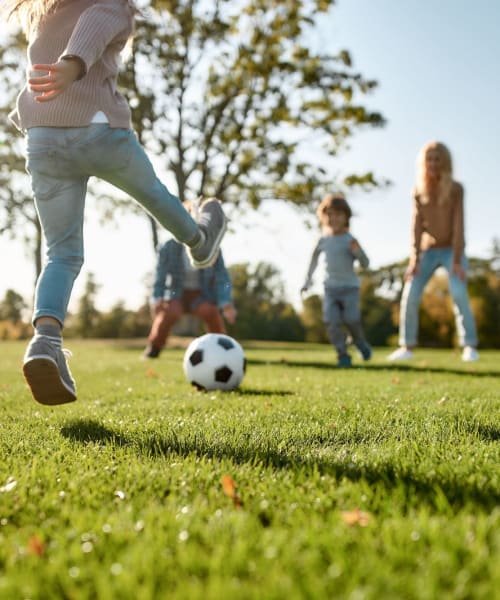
[(255, 392), (89, 431), (426, 490), (331, 366)]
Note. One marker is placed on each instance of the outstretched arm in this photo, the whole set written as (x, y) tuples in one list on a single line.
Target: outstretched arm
[(359, 253), (312, 267)]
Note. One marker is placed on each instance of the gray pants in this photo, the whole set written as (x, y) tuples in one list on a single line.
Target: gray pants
[(341, 308)]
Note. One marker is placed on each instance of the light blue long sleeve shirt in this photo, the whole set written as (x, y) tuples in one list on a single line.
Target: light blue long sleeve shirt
[(339, 259)]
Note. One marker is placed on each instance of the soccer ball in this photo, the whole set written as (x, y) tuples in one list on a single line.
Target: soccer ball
[(214, 362)]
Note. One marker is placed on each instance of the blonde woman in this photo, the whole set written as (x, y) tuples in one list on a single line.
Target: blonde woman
[(437, 241), (77, 125)]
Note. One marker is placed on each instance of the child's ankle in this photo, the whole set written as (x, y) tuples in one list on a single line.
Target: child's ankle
[(197, 240)]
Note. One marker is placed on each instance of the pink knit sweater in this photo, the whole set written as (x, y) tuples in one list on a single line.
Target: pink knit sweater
[(96, 31)]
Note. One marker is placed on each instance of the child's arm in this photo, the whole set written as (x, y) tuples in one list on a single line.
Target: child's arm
[(96, 28), (359, 253), (312, 267)]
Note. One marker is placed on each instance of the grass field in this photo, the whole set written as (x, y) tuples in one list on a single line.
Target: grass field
[(379, 482)]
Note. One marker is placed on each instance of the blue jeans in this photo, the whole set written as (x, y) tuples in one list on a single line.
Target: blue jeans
[(341, 307), (430, 260), (60, 162)]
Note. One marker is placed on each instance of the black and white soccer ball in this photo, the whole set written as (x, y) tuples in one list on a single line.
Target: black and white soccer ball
[(214, 362)]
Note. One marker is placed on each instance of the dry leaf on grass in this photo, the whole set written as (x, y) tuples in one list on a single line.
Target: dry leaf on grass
[(35, 546), (229, 488), (356, 517)]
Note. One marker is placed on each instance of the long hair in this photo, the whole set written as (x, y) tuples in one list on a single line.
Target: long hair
[(29, 13), (446, 175)]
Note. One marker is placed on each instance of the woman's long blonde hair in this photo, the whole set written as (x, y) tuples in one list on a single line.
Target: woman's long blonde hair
[(446, 178), (30, 12)]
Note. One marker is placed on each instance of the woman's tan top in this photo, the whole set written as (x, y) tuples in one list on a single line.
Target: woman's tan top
[(438, 225), (94, 31)]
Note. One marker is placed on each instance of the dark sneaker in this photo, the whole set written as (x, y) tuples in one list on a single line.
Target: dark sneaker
[(344, 362), (365, 351), (47, 373), (213, 224), (151, 351)]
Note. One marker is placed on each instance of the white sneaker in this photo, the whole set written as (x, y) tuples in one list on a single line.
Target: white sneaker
[(400, 354), (470, 354)]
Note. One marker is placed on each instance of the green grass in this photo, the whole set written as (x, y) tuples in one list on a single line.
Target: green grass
[(119, 495)]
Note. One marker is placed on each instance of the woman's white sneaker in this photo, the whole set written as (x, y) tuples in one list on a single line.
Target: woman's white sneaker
[(400, 354), (470, 354)]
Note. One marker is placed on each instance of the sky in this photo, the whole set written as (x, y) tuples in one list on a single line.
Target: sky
[(437, 64)]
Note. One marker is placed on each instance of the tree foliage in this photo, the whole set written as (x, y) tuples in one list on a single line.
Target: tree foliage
[(244, 108), (12, 307), (263, 312), (87, 315), (230, 96), (18, 218)]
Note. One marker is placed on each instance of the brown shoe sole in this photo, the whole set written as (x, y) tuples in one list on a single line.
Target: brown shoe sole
[(42, 376)]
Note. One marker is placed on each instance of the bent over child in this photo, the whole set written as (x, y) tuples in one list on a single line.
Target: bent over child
[(180, 289), (341, 285)]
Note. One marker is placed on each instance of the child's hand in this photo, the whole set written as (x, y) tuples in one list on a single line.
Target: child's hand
[(230, 313), (59, 77)]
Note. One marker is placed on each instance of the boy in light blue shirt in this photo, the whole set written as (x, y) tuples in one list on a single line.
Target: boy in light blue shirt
[(341, 284)]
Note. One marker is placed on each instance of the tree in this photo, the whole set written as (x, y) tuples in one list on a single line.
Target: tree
[(244, 109), (86, 318), (484, 290), (376, 313), (120, 322), (12, 326), (18, 217), (312, 319), (12, 307), (263, 312)]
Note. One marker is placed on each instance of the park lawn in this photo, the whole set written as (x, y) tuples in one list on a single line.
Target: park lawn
[(378, 482)]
